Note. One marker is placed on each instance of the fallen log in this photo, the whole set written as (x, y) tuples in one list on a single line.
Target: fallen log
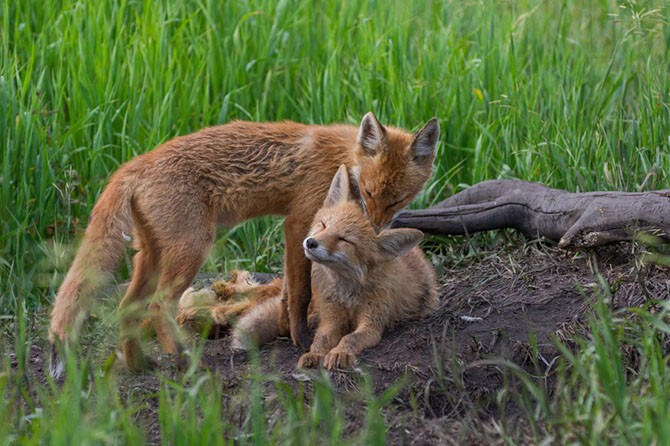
[(574, 220)]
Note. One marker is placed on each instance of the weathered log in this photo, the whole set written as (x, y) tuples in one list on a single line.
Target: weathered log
[(574, 220)]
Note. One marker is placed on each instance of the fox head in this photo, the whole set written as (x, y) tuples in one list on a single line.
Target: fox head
[(392, 166), (342, 238)]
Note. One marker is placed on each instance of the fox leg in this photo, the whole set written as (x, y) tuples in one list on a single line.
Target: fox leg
[(297, 282), (209, 320), (366, 335), (132, 307), (214, 315), (329, 333), (179, 266), (222, 314)]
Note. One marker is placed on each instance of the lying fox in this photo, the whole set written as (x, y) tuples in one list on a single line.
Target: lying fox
[(362, 283), (170, 201), (215, 309)]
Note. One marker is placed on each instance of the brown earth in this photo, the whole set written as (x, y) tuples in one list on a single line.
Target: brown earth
[(512, 303)]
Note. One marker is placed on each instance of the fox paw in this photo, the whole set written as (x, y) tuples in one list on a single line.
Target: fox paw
[(184, 315), (338, 360), (242, 341), (301, 336), (183, 359), (223, 290), (135, 360), (220, 315), (310, 361), (238, 344)]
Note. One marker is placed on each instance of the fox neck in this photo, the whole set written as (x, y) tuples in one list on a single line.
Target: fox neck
[(344, 287)]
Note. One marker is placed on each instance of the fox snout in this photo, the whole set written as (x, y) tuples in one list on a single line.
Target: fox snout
[(319, 252), (381, 221), (313, 250), (379, 217), (310, 243)]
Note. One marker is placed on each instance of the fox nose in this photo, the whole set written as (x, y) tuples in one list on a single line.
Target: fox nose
[(377, 220), (310, 243), (378, 225)]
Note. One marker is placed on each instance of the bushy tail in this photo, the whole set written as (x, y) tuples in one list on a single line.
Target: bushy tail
[(101, 250), (258, 326)]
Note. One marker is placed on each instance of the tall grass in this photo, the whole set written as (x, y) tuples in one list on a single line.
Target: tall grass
[(612, 388), (573, 94)]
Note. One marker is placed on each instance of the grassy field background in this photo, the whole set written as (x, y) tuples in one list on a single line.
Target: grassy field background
[(573, 94)]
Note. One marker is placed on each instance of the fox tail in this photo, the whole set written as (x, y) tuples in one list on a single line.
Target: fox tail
[(102, 248)]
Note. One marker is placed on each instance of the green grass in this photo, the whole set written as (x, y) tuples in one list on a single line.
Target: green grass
[(612, 387), (573, 94)]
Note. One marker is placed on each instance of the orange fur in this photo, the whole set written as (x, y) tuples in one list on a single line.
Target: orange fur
[(171, 200), (218, 307), (362, 283)]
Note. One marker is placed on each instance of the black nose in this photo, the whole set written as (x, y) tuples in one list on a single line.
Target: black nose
[(310, 243)]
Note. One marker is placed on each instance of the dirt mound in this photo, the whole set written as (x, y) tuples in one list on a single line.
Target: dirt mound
[(511, 304)]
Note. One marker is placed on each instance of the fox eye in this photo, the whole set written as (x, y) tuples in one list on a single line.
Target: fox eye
[(395, 203), (346, 240), (323, 225), (367, 192)]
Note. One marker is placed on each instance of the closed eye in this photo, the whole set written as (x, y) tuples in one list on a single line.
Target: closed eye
[(394, 204), (346, 240)]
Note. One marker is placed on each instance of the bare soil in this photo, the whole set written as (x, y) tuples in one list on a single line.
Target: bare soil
[(512, 303)]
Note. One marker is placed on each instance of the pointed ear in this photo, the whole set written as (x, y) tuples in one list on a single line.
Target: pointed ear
[(424, 145), (340, 188), (395, 242), (354, 189), (371, 135)]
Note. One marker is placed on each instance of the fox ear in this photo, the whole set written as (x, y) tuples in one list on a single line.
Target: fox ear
[(396, 242), (340, 188), (354, 188), (371, 135), (424, 145)]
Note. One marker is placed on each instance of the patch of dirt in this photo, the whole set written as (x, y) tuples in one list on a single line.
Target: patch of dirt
[(511, 304)]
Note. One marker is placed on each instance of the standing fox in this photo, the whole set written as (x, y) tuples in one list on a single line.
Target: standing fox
[(362, 283), (170, 201)]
